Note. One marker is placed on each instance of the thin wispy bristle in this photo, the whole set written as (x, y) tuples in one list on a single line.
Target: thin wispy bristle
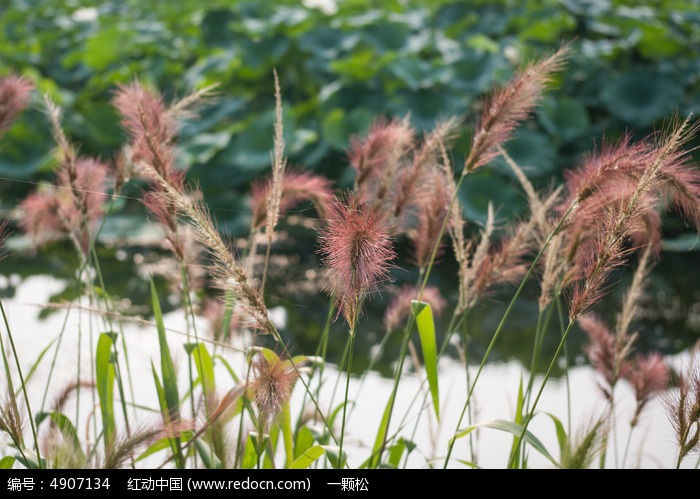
[(510, 105), (279, 162), (469, 271), (75, 203), (683, 408), (648, 375), (227, 272), (614, 195), (356, 251), (601, 350), (377, 155), (297, 187), (272, 385), (631, 304), (15, 92)]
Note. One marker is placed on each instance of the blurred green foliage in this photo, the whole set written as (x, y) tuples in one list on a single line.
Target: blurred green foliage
[(631, 67)]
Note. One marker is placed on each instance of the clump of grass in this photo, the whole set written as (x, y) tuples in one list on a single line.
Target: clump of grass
[(405, 189)]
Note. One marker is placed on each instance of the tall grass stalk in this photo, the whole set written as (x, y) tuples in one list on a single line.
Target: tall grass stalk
[(501, 324), (21, 381)]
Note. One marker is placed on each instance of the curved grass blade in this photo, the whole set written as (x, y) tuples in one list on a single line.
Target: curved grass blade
[(426, 330), (205, 367), (562, 438), (32, 369), (169, 378), (171, 410), (381, 432), (7, 462), (65, 426), (160, 445), (105, 374), (513, 429), (307, 458), (304, 441)]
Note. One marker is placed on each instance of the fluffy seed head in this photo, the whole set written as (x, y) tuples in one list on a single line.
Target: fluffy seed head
[(14, 96), (272, 384), (356, 251)]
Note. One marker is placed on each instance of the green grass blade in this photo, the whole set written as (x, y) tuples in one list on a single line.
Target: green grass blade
[(304, 441), (167, 370), (468, 463), (520, 403), (337, 460), (160, 445), (104, 375), (228, 367), (287, 435), (381, 432), (512, 428), (205, 368), (32, 369), (250, 454), (396, 452), (426, 329), (562, 438), (7, 462), (65, 426), (173, 442), (307, 458)]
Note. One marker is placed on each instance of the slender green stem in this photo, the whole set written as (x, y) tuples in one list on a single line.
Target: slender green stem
[(567, 378), (392, 396), (502, 322), (347, 391), (341, 366), (682, 454), (547, 375), (627, 446), (321, 351), (189, 311), (372, 362), (22, 384), (12, 399), (536, 348)]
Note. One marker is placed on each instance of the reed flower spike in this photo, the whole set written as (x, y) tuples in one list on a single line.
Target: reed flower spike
[(356, 252)]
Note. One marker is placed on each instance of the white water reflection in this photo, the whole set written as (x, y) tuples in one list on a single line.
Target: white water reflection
[(652, 445)]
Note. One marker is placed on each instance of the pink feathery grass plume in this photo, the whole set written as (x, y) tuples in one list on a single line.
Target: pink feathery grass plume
[(40, 216), (14, 96), (601, 351), (378, 154), (297, 187), (602, 224), (612, 176), (505, 263), (151, 126), (71, 207), (595, 259), (432, 205), (648, 375), (356, 252), (683, 409), (508, 106), (400, 307), (87, 182), (272, 384), (163, 212)]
